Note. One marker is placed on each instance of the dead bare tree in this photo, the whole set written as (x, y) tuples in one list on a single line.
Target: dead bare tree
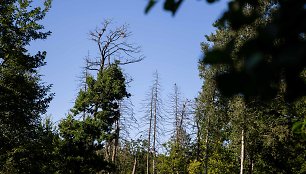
[(113, 47), (153, 119), (180, 110), (122, 126)]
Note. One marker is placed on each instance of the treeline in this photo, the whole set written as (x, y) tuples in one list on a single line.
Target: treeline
[(254, 126)]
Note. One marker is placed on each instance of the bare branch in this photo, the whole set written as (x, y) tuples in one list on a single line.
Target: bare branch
[(113, 46)]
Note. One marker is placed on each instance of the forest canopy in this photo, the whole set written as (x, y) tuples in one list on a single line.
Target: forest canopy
[(249, 116)]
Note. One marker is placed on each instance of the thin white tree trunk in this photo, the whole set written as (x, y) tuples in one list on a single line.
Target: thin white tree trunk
[(150, 129), (134, 166), (206, 145), (176, 114), (242, 152), (155, 126), (198, 137)]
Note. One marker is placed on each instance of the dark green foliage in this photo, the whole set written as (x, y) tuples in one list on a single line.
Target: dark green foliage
[(103, 93), (172, 5), (150, 4), (84, 140), (275, 54), (169, 5), (80, 150), (299, 127), (276, 149), (270, 145), (23, 97), (47, 147), (265, 66)]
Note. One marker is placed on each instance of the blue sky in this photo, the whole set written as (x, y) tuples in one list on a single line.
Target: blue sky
[(171, 45)]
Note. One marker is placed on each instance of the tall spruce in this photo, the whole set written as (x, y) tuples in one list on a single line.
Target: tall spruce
[(24, 98)]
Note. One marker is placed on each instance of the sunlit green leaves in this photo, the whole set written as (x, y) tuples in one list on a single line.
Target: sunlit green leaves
[(300, 128)]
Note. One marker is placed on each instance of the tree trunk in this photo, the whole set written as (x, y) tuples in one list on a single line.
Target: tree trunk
[(154, 131), (180, 126), (134, 166), (176, 116), (206, 145), (107, 152), (198, 139), (251, 164), (242, 152), (150, 129), (115, 148)]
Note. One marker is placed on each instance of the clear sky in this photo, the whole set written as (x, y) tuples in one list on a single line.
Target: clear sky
[(171, 45)]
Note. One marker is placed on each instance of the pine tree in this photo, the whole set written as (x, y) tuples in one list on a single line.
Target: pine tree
[(83, 141)]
